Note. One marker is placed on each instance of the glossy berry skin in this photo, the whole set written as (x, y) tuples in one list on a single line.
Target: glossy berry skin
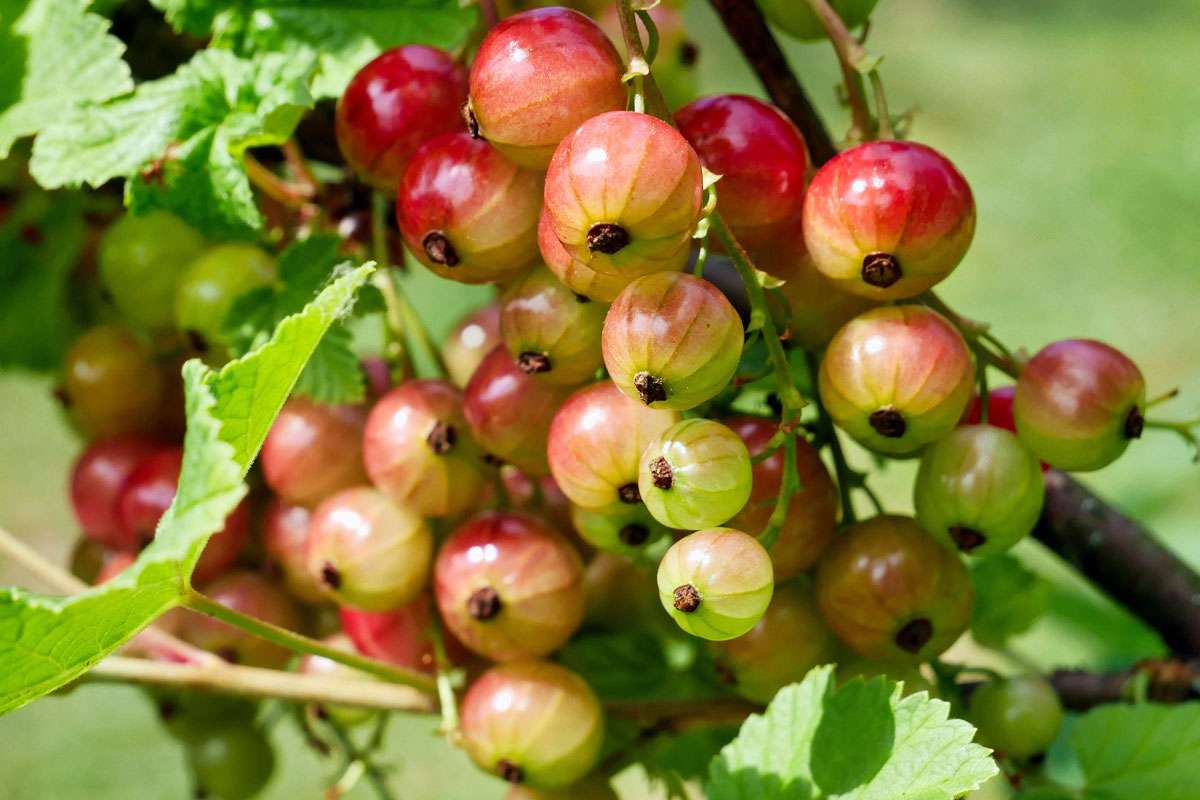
[(285, 539), (897, 378), (366, 551), (231, 762), (760, 156), (508, 586), (1019, 717), (672, 340), (573, 273), (624, 193), (798, 20), (620, 528), (140, 260), (812, 512), (210, 286), (716, 583), (596, 442), (509, 412), (789, 640), (887, 220), (313, 451), (400, 636), (323, 667), (890, 591), (532, 723), (1000, 409), (475, 335), (250, 594), (978, 490), (111, 382), (552, 332), (696, 474), (537, 76), (1079, 403), (99, 475), (418, 450), (395, 104), (468, 213), (593, 788)]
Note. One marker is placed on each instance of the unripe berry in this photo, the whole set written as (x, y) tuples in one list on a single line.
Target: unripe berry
[(313, 450), (624, 195), (672, 340), (594, 788), (533, 723), (508, 586), (249, 594), (99, 475), (799, 21), (695, 474), (140, 260), (230, 762), (395, 104), (897, 378), (469, 341), (468, 213), (211, 284), (978, 490), (760, 156), (537, 76), (812, 512), (575, 274), (552, 332), (619, 528), (285, 538), (368, 552), (716, 583), (789, 640), (418, 450), (112, 386), (1018, 717), (890, 591), (596, 442), (328, 668), (622, 595), (887, 219), (1079, 403)]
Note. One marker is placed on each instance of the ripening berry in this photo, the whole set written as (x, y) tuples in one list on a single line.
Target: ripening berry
[(323, 667), (812, 512), (897, 378), (593, 788), (468, 213), (112, 385), (596, 442), (887, 220), (622, 596), (799, 21), (978, 490), (469, 341), (716, 583), (210, 286), (418, 449), (672, 340), (576, 275), (533, 723), (695, 474), (537, 76), (508, 586), (368, 552), (1018, 717), (1079, 403), (509, 412), (620, 528), (760, 156), (400, 636), (394, 104), (232, 761), (552, 332), (99, 475), (890, 591), (255, 596), (285, 539), (789, 640), (313, 450), (140, 260)]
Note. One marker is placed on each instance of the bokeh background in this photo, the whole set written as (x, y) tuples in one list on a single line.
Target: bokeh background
[(1076, 122)]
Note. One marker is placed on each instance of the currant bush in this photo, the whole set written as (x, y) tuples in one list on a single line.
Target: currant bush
[(696, 474), (552, 332)]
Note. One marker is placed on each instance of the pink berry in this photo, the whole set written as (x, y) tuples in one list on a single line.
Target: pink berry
[(313, 450), (469, 341), (99, 475), (285, 538)]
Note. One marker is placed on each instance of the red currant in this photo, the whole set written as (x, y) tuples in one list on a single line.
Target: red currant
[(99, 475), (716, 583), (575, 274), (1018, 717), (888, 220), (285, 538), (401, 636), (798, 20), (622, 595), (112, 384), (471, 339), (619, 528), (553, 332), (249, 594), (313, 450), (695, 474)]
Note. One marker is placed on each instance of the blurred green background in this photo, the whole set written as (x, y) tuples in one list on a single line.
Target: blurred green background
[(1075, 121)]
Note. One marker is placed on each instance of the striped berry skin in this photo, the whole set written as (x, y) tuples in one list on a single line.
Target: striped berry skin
[(672, 340), (469, 341), (575, 274), (695, 475), (716, 583), (897, 378), (313, 450), (624, 195), (552, 332), (888, 220), (395, 104), (468, 213), (537, 76)]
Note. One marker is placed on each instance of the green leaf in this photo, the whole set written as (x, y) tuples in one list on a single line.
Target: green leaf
[(862, 741), (1137, 752), (1009, 599), (46, 642), (53, 56), (181, 140)]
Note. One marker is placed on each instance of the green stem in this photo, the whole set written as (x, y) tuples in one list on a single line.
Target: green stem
[(445, 683), (787, 487), (851, 56), (655, 103), (373, 773), (303, 644), (845, 475), (977, 336)]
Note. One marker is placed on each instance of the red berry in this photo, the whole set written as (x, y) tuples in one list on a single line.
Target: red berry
[(888, 220), (624, 195), (468, 213), (400, 636), (394, 105), (760, 156), (313, 450), (1079, 403), (99, 475), (253, 595), (537, 76), (418, 449), (469, 341), (553, 333), (508, 586), (114, 564), (285, 538), (112, 384), (575, 274), (1000, 409)]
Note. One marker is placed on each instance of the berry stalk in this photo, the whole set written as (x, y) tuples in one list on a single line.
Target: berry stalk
[(853, 60), (829, 436)]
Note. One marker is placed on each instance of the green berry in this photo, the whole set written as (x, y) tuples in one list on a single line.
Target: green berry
[(1018, 717), (210, 286), (141, 259), (695, 475), (233, 762)]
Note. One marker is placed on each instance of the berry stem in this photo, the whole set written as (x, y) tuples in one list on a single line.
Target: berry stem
[(487, 10), (360, 765), (977, 336), (445, 683), (852, 58), (1183, 428), (639, 64), (290, 195), (305, 177), (787, 487)]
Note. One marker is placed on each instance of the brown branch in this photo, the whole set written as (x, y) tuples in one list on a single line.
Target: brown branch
[(1167, 681)]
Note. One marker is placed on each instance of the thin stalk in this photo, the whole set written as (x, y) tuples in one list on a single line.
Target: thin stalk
[(850, 55), (291, 195), (1182, 428), (488, 10), (655, 103), (299, 165), (787, 487), (883, 116), (977, 336), (445, 685), (845, 475), (360, 766)]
